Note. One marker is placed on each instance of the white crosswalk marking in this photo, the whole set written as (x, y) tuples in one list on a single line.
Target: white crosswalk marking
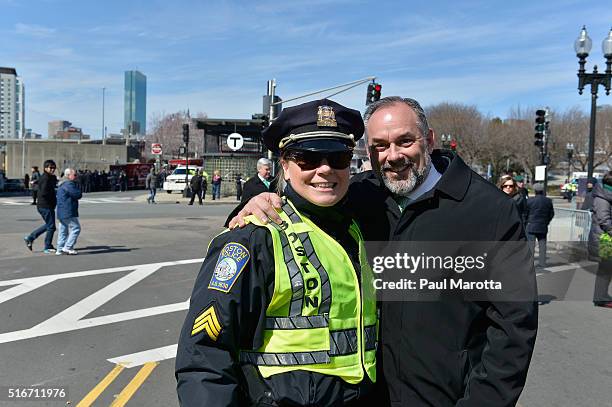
[(151, 355), (71, 318), (111, 200)]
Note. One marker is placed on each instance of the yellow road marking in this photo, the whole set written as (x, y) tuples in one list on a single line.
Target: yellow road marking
[(129, 390), (100, 387)]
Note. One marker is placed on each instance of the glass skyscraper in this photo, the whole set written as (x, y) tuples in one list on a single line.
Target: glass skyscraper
[(135, 103)]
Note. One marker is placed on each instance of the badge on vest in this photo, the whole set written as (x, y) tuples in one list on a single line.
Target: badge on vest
[(231, 262)]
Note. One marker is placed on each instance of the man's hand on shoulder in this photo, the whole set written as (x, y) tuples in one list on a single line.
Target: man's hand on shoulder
[(265, 206)]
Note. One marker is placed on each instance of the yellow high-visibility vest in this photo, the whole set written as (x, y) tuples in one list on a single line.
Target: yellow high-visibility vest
[(321, 317)]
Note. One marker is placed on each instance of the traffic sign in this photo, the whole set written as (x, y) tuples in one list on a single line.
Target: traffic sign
[(235, 141), (156, 149)]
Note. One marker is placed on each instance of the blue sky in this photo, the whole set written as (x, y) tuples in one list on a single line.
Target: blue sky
[(216, 56)]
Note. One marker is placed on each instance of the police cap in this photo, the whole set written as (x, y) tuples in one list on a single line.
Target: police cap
[(321, 125)]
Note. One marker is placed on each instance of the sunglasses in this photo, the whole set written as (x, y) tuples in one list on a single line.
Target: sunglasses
[(508, 186), (309, 160)]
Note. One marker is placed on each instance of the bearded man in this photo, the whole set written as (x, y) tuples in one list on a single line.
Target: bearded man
[(454, 351)]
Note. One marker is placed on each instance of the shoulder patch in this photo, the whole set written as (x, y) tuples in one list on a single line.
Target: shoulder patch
[(207, 321), (231, 262)]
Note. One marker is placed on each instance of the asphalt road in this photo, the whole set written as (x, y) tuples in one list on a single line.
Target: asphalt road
[(103, 324)]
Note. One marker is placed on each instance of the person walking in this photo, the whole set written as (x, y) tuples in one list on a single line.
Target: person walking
[(601, 225), (196, 187), (151, 185), (540, 212), (34, 184), (216, 185), (273, 324), (46, 207), (68, 195)]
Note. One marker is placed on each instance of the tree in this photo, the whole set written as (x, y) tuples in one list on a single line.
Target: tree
[(167, 129), (464, 123)]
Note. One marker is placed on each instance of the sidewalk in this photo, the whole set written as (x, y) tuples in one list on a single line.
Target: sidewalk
[(162, 197)]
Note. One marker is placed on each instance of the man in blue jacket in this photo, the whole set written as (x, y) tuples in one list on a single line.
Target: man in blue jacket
[(539, 214), (68, 195)]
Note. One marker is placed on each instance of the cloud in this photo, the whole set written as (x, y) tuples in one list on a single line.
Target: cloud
[(33, 30)]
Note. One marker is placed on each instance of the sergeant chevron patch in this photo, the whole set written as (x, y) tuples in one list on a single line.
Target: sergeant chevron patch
[(207, 321)]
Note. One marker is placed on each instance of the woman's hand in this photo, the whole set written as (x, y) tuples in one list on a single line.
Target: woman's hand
[(265, 206)]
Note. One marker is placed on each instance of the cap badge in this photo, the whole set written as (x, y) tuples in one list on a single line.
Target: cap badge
[(326, 117)]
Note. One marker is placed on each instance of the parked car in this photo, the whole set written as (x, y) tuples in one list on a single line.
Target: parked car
[(176, 180)]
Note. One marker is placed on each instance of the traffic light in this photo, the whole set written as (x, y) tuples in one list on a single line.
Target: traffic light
[(265, 120), (453, 145), (186, 133), (374, 92), (540, 127)]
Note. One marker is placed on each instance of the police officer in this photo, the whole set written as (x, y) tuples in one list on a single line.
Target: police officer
[(286, 314)]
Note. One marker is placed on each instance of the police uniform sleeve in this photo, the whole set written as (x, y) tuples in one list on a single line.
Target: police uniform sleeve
[(226, 313)]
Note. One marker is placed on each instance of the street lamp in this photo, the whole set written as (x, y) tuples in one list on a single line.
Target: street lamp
[(582, 46), (569, 147)]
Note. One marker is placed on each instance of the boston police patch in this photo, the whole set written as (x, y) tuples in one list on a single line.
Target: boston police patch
[(231, 262)]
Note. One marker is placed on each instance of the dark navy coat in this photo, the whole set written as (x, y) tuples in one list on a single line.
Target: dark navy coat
[(539, 214), (68, 195)]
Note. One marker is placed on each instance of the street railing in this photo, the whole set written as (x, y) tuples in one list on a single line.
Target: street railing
[(570, 225)]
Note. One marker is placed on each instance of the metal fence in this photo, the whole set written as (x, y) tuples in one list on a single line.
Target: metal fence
[(570, 225)]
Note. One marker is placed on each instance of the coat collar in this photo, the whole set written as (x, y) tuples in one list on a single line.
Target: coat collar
[(456, 175)]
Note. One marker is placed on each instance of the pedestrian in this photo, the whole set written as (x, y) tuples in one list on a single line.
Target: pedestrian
[(123, 181), (587, 203), (508, 185), (520, 186), (26, 182), (34, 184), (540, 212), (204, 184), (151, 185), (216, 185), (601, 225), (449, 352), (260, 182), (68, 195), (196, 187), (253, 336), (239, 183), (46, 207)]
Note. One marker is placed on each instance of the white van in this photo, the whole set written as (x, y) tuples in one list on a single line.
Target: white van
[(176, 180)]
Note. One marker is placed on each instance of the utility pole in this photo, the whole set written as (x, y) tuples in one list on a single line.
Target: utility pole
[(103, 124)]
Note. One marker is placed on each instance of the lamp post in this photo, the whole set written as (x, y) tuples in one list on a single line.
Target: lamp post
[(569, 147), (582, 46)]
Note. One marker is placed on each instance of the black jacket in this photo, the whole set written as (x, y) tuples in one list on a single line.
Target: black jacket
[(521, 204), (207, 370), (601, 219), (451, 352), (539, 214), (253, 187), (46, 191), (196, 183)]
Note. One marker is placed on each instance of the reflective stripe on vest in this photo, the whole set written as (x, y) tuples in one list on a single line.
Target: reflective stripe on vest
[(307, 327)]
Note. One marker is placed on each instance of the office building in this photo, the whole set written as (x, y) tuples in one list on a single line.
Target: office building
[(56, 126), (135, 104), (12, 104)]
